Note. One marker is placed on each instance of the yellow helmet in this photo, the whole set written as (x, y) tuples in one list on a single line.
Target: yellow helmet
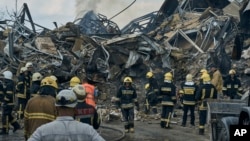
[(205, 77), (232, 71), (127, 79), (23, 69), (80, 92), (37, 77), (181, 92), (147, 86), (48, 81), (189, 77), (74, 81), (203, 71), (168, 76), (149, 74), (53, 77)]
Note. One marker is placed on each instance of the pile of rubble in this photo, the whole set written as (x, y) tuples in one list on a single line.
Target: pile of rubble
[(183, 37)]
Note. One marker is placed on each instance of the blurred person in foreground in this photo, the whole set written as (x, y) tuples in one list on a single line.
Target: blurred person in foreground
[(7, 98), (85, 113), (40, 109), (65, 128)]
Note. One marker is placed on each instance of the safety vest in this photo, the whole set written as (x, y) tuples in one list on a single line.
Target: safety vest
[(90, 98)]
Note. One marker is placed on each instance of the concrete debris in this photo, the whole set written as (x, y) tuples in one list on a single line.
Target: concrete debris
[(183, 37)]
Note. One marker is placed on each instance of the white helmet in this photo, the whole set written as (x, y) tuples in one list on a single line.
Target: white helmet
[(66, 98), (28, 65), (8, 75), (80, 92), (23, 69), (37, 77)]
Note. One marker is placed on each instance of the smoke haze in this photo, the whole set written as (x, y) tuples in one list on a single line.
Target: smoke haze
[(111, 7)]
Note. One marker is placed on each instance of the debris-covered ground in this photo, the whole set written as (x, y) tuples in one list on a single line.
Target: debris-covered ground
[(184, 36)]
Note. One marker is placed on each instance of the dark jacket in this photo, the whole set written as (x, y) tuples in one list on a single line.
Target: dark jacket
[(168, 92), (205, 91), (86, 113), (127, 96), (189, 89), (232, 87), (35, 88), (23, 87), (7, 89)]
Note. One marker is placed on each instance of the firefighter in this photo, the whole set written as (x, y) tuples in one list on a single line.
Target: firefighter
[(217, 80), (205, 91), (74, 81), (36, 82), (41, 108), (154, 84), (126, 98), (168, 92), (189, 90), (85, 113), (232, 86), (150, 100), (23, 90), (202, 71), (59, 87), (7, 89), (90, 91)]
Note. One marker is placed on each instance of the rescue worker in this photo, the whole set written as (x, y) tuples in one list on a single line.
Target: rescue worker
[(154, 84), (202, 71), (23, 90), (36, 82), (168, 92), (217, 80), (85, 113), (74, 81), (205, 91), (126, 98), (59, 88), (7, 89), (232, 86), (189, 90), (90, 92), (65, 128), (41, 108), (29, 66), (150, 100)]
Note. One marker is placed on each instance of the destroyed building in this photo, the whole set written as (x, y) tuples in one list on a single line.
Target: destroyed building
[(183, 37)]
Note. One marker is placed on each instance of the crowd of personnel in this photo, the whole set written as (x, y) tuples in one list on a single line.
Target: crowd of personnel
[(41, 104), (38, 100), (190, 93)]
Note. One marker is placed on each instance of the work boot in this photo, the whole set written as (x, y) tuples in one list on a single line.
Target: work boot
[(126, 130), (4, 132), (16, 126), (201, 131), (131, 130)]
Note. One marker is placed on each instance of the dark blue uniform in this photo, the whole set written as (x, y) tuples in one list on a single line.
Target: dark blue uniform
[(206, 91), (189, 89), (168, 93), (7, 91), (127, 96), (232, 88)]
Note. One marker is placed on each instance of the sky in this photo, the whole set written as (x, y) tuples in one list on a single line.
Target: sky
[(45, 12)]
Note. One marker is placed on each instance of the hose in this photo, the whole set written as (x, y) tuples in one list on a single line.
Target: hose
[(114, 129), (123, 10)]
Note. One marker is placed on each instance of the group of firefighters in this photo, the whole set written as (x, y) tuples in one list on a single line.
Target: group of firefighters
[(211, 85), (36, 97)]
